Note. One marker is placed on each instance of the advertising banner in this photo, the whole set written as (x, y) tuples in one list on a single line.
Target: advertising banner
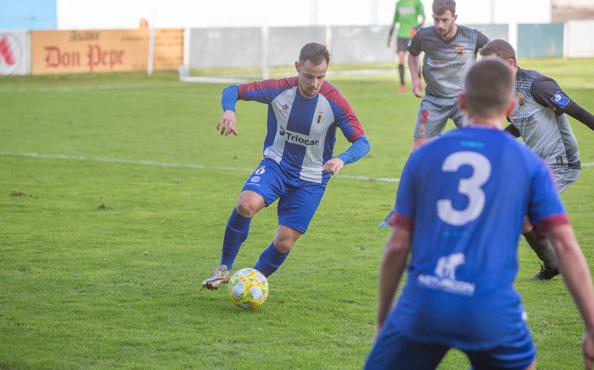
[(104, 50), (15, 53)]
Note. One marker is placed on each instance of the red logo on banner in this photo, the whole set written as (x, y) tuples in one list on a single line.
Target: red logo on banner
[(5, 52), (56, 58)]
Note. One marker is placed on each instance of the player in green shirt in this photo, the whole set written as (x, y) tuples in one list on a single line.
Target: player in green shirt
[(407, 16)]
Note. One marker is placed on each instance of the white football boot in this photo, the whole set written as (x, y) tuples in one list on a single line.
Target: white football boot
[(220, 275)]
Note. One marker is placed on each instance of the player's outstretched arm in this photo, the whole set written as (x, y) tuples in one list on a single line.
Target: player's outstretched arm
[(392, 269), (227, 124), (547, 93), (580, 114), (356, 151), (578, 280)]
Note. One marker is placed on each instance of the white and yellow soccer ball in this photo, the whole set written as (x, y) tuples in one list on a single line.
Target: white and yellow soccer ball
[(248, 288)]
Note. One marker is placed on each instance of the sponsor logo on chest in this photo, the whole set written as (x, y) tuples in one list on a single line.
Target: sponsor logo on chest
[(295, 138)]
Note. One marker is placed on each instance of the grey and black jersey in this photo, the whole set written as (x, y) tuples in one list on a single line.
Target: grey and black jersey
[(540, 119), (446, 62)]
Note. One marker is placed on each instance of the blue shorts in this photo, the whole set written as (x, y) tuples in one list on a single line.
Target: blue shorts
[(394, 351), (298, 199)]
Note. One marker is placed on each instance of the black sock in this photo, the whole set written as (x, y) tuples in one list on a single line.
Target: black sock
[(401, 73)]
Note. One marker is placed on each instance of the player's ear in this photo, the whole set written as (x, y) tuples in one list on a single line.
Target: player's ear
[(510, 107), (298, 66), (462, 102)]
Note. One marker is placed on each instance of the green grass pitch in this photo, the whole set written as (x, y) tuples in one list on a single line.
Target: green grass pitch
[(114, 194)]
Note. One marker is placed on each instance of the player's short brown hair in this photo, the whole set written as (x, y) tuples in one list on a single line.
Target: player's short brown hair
[(315, 53), (489, 88), (500, 48), (441, 6)]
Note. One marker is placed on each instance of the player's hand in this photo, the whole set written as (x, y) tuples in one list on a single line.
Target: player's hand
[(588, 349), (417, 87), (412, 32), (333, 166), (228, 123)]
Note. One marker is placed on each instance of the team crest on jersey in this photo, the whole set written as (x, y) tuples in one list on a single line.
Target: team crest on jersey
[(319, 116), (460, 49), (521, 99)]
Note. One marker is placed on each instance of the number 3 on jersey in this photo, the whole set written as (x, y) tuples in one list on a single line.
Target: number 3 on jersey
[(471, 187)]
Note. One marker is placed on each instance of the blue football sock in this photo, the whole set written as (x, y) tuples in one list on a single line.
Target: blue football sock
[(235, 234), (270, 260)]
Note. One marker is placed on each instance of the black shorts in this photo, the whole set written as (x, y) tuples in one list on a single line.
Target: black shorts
[(402, 44)]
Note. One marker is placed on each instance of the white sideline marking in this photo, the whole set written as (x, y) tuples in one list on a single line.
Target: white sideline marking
[(193, 166)]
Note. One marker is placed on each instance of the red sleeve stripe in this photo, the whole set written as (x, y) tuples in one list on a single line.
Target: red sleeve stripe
[(401, 221), (545, 225), (334, 96), (285, 83)]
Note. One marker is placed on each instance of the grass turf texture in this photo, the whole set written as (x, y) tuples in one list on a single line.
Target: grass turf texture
[(100, 262)]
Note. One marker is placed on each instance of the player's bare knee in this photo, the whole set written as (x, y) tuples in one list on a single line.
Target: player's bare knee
[(285, 238), (249, 204), (246, 208), (419, 142), (284, 245)]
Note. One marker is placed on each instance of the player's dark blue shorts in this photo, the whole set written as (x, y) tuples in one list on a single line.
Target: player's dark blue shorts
[(394, 351), (298, 199)]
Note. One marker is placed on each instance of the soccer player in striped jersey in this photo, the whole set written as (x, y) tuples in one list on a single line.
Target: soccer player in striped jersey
[(460, 213), (304, 113), (540, 118)]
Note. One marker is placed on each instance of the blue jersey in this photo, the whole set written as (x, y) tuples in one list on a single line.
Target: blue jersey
[(464, 197), (302, 131)]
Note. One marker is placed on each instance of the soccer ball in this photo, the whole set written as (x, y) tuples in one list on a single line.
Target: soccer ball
[(248, 288)]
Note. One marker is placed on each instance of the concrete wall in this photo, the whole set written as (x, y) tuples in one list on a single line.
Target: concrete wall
[(361, 44), (579, 38), (285, 42), (493, 31), (540, 40), (225, 47)]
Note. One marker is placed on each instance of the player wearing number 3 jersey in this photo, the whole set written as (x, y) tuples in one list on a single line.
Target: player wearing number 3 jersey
[(460, 214)]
